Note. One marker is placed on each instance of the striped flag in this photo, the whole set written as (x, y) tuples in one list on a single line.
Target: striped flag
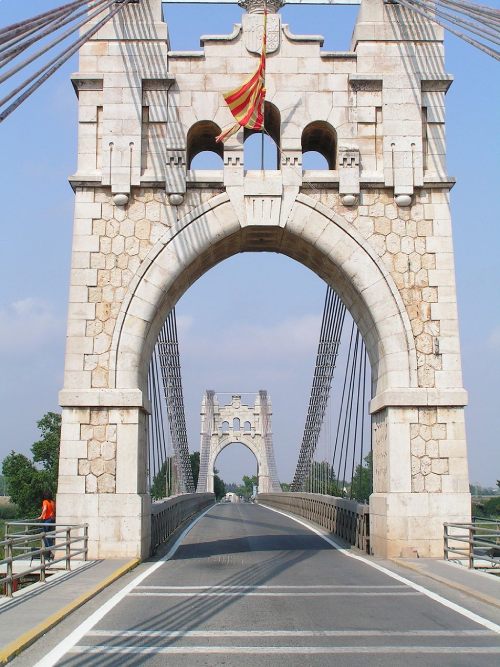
[(247, 101)]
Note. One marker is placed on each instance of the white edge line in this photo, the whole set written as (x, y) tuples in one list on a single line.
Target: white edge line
[(421, 589), (69, 642)]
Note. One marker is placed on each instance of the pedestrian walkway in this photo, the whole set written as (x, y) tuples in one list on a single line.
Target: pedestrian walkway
[(32, 612), (480, 585)]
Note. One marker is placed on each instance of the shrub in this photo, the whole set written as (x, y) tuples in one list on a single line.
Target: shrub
[(8, 512), (492, 506)]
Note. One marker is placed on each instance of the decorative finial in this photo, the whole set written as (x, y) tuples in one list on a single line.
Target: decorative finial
[(258, 6)]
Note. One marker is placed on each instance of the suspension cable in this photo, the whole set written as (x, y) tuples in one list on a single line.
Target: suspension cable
[(53, 27), (36, 20), (47, 71), (330, 332), (424, 10)]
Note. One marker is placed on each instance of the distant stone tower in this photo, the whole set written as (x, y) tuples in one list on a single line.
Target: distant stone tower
[(374, 224), (248, 425)]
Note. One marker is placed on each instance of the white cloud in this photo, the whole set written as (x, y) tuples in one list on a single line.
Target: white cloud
[(296, 336), (184, 324), (27, 325), (494, 339)]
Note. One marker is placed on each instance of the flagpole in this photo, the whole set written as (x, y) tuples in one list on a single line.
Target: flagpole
[(262, 150), (264, 44)]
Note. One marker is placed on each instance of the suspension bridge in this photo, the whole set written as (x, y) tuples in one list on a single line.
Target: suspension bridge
[(308, 571)]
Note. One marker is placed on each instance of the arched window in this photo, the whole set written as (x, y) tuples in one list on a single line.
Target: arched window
[(236, 424), (272, 141), (319, 137), (201, 145), (225, 427), (247, 427)]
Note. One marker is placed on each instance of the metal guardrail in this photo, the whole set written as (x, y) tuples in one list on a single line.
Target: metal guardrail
[(346, 519), (167, 515), (476, 543), (25, 539)]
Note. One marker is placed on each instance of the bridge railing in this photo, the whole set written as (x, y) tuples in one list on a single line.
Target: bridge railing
[(29, 541), (475, 544), (168, 514), (346, 519)]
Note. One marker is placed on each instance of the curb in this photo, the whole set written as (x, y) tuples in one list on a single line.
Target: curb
[(451, 584), (22, 642)]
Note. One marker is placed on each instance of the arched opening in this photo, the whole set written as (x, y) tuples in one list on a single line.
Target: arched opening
[(225, 427), (319, 145), (269, 141), (236, 424), (236, 464), (247, 427), (337, 253), (329, 245), (202, 151)]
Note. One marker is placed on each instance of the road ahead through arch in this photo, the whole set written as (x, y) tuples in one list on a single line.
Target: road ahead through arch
[(250, 586)]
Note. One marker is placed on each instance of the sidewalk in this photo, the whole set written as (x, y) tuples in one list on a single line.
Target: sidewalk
[(34, 611), (480, 585)]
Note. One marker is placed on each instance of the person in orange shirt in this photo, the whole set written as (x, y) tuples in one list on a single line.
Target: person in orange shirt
[(48, 518)]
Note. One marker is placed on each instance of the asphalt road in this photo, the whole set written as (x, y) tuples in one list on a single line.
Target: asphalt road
[(249, 586)]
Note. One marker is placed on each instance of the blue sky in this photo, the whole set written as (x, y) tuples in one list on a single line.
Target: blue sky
[(251, 301)]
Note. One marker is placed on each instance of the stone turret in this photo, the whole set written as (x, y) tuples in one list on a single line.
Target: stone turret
[(259, 6)]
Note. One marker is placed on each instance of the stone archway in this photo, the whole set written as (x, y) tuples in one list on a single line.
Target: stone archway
[(329, 245), (377, 229), (313, 235), (237, 422)]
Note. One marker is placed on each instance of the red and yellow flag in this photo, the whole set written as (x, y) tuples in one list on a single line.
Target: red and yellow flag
[(247, 101)]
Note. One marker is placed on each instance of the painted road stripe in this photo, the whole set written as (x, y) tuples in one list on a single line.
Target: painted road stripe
[(74, 637), (257, 634), (421, 589), (331, 650), (258, 588), (264, 594)]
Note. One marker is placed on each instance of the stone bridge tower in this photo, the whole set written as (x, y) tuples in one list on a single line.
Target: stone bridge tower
[(249, 425), (374, 224)]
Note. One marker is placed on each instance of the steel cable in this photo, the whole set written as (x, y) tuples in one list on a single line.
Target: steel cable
[(331, 327), (22, 26), (47, 47), (16, 42), (490, 35), (422, 10), (66, 55), (53, 27)]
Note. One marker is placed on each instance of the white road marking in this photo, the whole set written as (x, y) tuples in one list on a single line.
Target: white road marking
[(272, 587), (172, 650), (296, 594), (421, 589), (67, 644), (257, 634)]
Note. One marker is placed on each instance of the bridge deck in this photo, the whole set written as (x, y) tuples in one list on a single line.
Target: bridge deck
[(251, 586)]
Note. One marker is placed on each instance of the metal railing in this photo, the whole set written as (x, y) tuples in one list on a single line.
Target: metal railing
[(29, 539), (476, 543), (346, 519), (167, 515)]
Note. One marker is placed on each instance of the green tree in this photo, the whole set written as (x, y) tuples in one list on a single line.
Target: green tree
[(362, 481), (322, 479), (46, 450), (219, 487), (248, 484), (195, 466), (160, 483), (285, 486), (27, 479)]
